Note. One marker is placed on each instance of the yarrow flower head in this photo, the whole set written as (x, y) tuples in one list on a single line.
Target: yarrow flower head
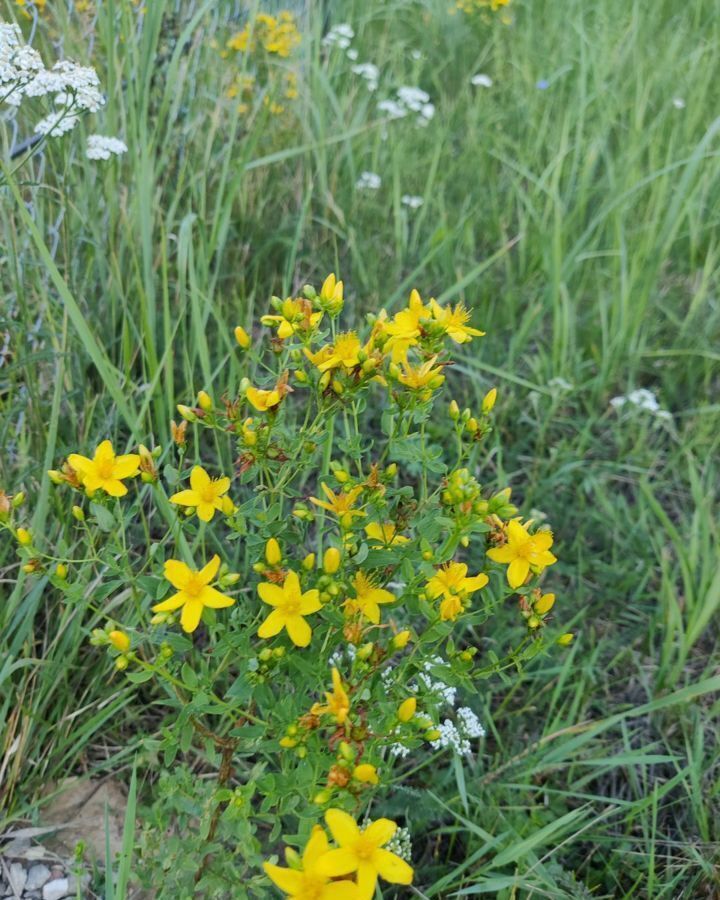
[(101, 147)]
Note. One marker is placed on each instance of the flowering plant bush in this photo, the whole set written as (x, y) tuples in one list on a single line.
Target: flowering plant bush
[(311, 611)]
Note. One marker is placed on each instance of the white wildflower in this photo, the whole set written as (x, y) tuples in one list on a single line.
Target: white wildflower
[(413, 98), (561, 384), (339, 36), (101, 147), (642, 399), (369, 72), (436, 686), (411, 201), (399, 751), (352, 54), (392, 108), (416, 55), (401, 844), (57, 123), (368, 181), (469, 723), (19, 64), (481, 80), (339, 657), (73, 85), (678, 103), (451, 738)]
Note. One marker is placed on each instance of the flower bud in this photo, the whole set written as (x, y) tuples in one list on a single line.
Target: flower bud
[(187, 413), (331, 560), (544, 604), (309, 562), (489, 400), (400, 640), (534, 622), (18, 499), (391, 470), (454, 410), (205, 401), (407, 708), (322, 797), (566, 639), (242, 337), (346, 751), (23, 536), (472, 425), (273, 554), (56, 476), (119, 640), (366, 773), (121, 663), (432, 735), (288, 742), (365, 651), (61, 571)]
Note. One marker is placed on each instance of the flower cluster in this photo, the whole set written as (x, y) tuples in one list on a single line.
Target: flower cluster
[(320, 541), (262, 42)]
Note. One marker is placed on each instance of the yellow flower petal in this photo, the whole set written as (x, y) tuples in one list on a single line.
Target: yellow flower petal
[(177, 573), (190, 616), (299, 630), (392, 868), (380, 831), (343, 829)]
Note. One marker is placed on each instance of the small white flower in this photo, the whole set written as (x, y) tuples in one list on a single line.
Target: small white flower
[(642, 399), (469, 723), (393, 109), (368, 181), (414, 98), (560, 383), (57, 123), (370, 73), (450, 738), (416, 55), (678, 103), (443, 691), (411, 201), (481, 80), (339, 36), (101, 147), (352, 54)]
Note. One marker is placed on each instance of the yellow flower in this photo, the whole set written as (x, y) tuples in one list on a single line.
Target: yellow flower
[(452, 584), (290, 605), (264, 400), (523, 553), (331, 560), (119, 640), (454, 322), (338, 702), (341, 505), (194, 591), (361, 852), (331, 295), (366, 773), (205, 494), (489, 400), (405, 326), (242, 337), (309, 883), (273, 553), (344, 352), (407, 708), (418, 378), (295, 315), (367, 599), (545, 604), (385, 533), (105, 471)]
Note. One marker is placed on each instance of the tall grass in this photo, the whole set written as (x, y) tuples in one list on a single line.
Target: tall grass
[(581, 223)]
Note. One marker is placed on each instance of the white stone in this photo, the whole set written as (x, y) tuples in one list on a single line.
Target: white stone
[(37, 876), (56, 890)]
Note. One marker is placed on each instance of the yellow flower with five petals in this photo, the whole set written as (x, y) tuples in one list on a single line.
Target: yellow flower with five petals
[(341, 505), (290, 605), (454, 322), (523, 553), (385, 533), (194, 591), (452, 584), (206, 494), (105, 471), (367, 599), (309, 883), (338, 702), (362, 852)]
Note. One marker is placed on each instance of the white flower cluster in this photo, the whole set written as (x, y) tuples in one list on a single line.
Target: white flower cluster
[(470, 723), (401, 844), (370, 73), (19, 64), (343, 655), (642, 399), (457, 735), (409, 100), (368, 181), (400, 751), (411, 201), (481, 80), (442, 691), (101, 147), (339, 36), (74, 89), (451, 738)]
